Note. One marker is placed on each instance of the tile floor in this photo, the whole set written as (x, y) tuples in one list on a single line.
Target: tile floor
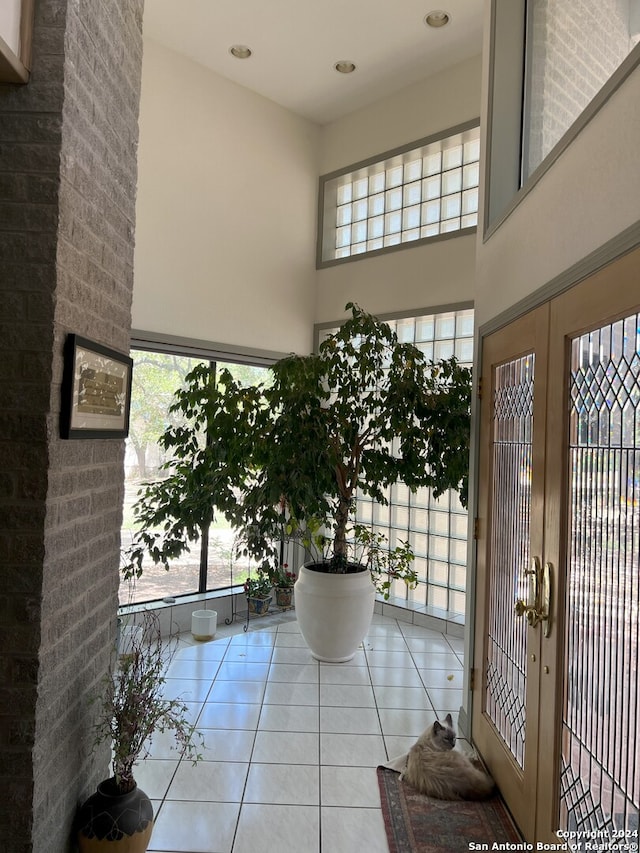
[(291, 744)]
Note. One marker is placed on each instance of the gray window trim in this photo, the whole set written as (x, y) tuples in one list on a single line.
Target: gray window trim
[(325, 203), (209, 350)]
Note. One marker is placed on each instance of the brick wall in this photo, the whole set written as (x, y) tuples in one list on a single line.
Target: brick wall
[(576, 46), (67, 194)]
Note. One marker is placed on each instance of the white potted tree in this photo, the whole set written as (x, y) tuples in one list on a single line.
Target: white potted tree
[(364, 412)]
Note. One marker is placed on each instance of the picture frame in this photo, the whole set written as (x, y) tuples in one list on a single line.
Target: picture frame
[(96, 390)]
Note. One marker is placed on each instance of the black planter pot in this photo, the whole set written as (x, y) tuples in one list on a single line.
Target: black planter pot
[(109, 820)]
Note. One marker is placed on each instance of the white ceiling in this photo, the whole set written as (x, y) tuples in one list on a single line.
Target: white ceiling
[(296, 43)]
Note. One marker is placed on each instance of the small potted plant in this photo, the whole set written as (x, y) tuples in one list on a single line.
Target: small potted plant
[(283, 581), (258, 592), (131, 709)]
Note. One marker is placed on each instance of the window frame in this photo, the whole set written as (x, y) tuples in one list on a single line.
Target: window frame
[(502, 134), (327, 201), (215, 355)]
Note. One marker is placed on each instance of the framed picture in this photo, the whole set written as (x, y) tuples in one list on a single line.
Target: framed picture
[(96, 391)]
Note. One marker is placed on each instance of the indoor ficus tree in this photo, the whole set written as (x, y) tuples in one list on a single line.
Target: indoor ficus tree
[(210, 454), (363, 413)]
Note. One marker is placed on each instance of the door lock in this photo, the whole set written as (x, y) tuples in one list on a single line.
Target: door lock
[(538, 607)]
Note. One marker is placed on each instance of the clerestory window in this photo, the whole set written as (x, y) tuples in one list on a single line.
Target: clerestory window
[(424, 191)]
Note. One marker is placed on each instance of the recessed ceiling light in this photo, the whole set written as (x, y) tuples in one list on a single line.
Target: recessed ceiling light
[(345, 66), (240, 51), (437, 18)]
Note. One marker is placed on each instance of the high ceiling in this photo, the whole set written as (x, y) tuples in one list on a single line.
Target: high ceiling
[(296, 43)]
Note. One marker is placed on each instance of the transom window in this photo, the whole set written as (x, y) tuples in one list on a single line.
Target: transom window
[(425, 191)]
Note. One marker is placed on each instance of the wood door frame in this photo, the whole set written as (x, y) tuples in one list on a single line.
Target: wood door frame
[(624, 265), (526, 334)]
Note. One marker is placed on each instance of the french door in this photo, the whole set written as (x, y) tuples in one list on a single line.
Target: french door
[(556, 703)]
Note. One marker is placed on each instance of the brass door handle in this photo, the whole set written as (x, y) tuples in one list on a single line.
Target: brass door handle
[(538, 607)]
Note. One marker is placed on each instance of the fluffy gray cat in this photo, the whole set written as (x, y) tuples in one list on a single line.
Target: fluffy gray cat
[(437, 771)]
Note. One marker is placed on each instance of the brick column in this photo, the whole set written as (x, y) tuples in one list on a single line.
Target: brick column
[(67, 209)]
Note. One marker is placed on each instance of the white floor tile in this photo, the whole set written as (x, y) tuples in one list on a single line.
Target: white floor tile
[(186, 827), (291, 654), (154, 776), (347, 695), (444, 699), (203, 651), (289, 829), (251, 654), (403, 677), (242, 671), (296, 740), (304, 673), (193, 669), (402, 697), (345, 675), (223, 715), (289, 718), (426, 660), (289, 638), (209, 781), (283, 693), (359, 721), (406, 722), (284, 784), (237, 691), (346, 750), (347, 830), (355, 787), (227, 745), (187, 689), (265, 639), (385, 643), (433, 645), (380, 657), (286, 748)]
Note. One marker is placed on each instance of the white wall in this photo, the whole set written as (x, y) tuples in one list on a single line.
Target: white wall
[(226, 213), (420, 276), (588, 196)]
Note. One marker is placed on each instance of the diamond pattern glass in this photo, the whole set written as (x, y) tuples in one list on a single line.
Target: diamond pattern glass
[(600, 773)]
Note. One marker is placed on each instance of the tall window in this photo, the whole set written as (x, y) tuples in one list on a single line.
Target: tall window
[(424, 191), (435, 528), (156, 376)]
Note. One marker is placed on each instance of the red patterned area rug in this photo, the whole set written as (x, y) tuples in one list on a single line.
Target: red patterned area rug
[(419, 824)]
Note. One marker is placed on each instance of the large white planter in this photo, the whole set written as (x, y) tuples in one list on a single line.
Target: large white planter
[(334, 612)]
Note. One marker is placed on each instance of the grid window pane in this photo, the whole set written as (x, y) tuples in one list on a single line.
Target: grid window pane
[(376, 226), (438, 597), (343, 215), (393, 223), (438, 572), (361, 188), (452, 157), (360, 209), (376, 182), (393, 199), (345, 193), (425, 190), (394, 176), (452, 182), (376, 204)]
